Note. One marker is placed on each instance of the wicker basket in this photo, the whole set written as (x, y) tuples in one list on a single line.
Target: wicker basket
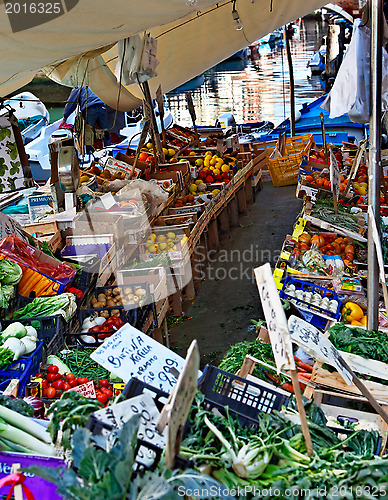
[(284, 170)]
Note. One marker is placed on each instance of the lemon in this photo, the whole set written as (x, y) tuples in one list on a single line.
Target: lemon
[(215, 192), (199, 162), (152, 237), (198, 181), (171, 152), (216, 171), (170, 244), (193, 188), (161, 237), (162, 246), (213, 161), (192, 153), (153, 248), (149, 145), (182, 159), (171, 236), (225, 168), (209, 153), (165, 151)]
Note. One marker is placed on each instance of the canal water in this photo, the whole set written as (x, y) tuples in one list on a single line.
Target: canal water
[(255, 88)]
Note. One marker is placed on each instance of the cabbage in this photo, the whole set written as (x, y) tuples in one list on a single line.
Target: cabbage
[(10, 272)]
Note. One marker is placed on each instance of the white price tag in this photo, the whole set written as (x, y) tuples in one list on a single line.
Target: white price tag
[(335, 174), (118, 414), (311, 340), (275, 318), (130, 353)]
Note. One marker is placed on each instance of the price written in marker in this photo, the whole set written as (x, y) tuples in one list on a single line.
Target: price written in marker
[(335, 174), (311, 340), (130, 353), (276, 319), (87, 390)]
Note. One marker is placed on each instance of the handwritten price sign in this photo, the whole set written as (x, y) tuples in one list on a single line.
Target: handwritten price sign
[(130, 353), (311, 340), (87, 390), (335, 174), (275, 318)]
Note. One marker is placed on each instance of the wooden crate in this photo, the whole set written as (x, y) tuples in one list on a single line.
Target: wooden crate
[(46, 232)]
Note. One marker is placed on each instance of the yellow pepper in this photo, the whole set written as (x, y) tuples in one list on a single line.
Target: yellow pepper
[(354, 322), (351, 312), (364, 320)]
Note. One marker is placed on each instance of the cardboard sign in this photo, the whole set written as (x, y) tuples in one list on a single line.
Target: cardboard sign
[(120, 165), (130, 353), (87, 390), (118, 414), (276, 319), (311, 340), (181, 400), (39, 206), (335, 175)]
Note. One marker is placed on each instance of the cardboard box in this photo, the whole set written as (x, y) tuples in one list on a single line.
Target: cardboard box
[(130, 160), (113, 163), (46, 232)]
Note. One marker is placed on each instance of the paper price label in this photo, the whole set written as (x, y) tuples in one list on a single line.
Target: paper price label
[(87, 390), (130, 353), (118, 414), (276, 319), (311, 340)]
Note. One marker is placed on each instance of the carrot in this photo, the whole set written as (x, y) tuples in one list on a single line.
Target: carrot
[(273, 378), (304, 376), (288, 387), (302, 365)]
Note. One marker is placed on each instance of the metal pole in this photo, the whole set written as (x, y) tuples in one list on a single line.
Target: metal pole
[(291, 73), (374, 158)]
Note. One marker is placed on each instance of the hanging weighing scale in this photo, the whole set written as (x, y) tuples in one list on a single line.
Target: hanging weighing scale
[(69, 174)]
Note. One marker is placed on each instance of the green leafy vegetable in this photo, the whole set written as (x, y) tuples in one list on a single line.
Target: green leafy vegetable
[(48, 306), (6, 357), (16, 404), (6, 293), (10, 272)]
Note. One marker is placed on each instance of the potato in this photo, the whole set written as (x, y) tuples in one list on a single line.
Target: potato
[(119, 303), (115, 312), (116, 291), (140, 292), (94, 300), (101, 297), (108, 292), (128, 291), (110, 303), (98, 305), (104, 314)]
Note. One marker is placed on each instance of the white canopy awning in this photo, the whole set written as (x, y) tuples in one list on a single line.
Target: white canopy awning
[(79, 47)]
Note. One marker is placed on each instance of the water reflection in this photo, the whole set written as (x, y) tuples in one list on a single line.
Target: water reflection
[(256, 88)]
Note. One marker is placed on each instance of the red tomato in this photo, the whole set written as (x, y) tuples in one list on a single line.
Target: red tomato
[(73, 382), (66, 386), (39, 375), (70, 376), (106, 391), (53, 369), (52, 377), (104, 382), (58, 384), (44, 383), (83, 380), (50, 392), (102, 398)]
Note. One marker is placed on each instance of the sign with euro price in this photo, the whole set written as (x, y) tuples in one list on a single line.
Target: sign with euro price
[(275, 318), (131, 353), (335, 174), (311, 340)]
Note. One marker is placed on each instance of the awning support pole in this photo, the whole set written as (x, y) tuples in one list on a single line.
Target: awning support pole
[(291, 73), (374, 157)]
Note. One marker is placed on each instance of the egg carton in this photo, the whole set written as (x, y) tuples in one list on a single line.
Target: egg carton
[(316, 303)]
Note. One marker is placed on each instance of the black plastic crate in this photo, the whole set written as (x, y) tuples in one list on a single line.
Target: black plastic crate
[(244, 398), (122, 288), (88, 274)]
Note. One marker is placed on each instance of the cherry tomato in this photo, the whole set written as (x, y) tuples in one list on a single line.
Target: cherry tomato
[(106, 391), (50, 392), (104, 382), (52, 377), (83, 380), (66, 386), (73, 382), (53, 369), (69, 377), (39, 375), (102, 398), (44, 383), (58, 384)]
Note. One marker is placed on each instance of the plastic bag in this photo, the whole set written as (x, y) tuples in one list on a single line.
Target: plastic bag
[(348, 286), (351, 90), (335, 265), (153, 193), (314, 262)]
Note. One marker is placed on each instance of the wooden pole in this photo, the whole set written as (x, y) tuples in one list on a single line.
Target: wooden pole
[(159, 100), (291, 73), (324, 137), (154, 126), (302, 413), (190, 106)]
